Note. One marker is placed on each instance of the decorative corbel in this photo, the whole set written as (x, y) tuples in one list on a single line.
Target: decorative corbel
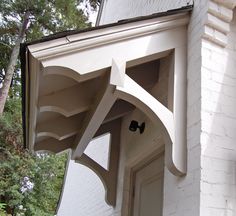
[(108, 177)]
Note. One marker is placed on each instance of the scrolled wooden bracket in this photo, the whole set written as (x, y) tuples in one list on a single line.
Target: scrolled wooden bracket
[(108, 177)]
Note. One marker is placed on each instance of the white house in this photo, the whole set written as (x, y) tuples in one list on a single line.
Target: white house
[(146, 102)]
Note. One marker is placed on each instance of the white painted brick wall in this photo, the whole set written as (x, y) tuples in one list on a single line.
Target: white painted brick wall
[(183, 195), (211, 131), (115, 10), (218, 136)]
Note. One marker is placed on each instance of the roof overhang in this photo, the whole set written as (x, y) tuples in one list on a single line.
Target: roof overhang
[(76, 85)]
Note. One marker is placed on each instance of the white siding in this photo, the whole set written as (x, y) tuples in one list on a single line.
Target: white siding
[(84, 193), (115, 10)]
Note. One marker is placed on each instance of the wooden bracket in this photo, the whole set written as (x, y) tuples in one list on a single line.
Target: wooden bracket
[(108, 177)]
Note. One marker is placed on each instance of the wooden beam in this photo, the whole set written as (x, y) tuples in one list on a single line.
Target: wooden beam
[(61, 127), (104, 102), (135, 94), (108, 177), (179, 151), (53, 145), (93, 120), (67, 102), (70, 101)]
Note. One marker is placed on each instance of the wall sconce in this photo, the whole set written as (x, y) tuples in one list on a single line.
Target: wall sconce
[(134, 126)]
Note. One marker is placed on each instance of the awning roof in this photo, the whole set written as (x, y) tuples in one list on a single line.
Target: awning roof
[(77, 84), (120, 22)]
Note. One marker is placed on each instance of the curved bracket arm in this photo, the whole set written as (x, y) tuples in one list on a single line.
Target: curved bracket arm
[(136, 95)]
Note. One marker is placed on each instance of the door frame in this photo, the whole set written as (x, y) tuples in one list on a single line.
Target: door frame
[(132, 166)]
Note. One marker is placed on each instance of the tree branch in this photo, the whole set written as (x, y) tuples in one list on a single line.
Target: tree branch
[(12, 63), (4, 44)]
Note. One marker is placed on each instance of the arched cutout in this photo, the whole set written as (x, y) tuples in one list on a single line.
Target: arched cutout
[(60, 127), (53, 145), (102, 173), (136, 95), (62, 71), (71, 73), (59, 110), (72, 100), (48, 134), (78, 174)]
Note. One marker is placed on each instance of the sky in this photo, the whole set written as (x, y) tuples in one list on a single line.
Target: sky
[(92, 14)]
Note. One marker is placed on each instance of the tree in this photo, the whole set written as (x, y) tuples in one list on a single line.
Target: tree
[(31, 19), (29, 184)]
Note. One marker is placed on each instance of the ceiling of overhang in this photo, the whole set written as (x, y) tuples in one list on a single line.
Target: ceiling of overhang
[(74, 84), (64, 103)]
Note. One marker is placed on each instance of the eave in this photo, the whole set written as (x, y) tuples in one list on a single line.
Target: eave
[(76, 87)]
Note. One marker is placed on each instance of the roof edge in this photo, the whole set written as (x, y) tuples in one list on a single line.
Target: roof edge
[(24, 48), (121, 31), (120, 22)]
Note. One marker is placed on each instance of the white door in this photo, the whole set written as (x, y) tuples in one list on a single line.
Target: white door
[(148, 189)]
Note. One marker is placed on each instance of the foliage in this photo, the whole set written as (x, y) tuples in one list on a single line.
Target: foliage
[(29, 184), (46, 16), (30, 20), (2, 209)]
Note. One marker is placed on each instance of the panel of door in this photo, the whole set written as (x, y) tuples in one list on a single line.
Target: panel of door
[(148, 189)]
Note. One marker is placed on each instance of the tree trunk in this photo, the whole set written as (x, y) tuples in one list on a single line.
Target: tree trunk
[(12, 63)]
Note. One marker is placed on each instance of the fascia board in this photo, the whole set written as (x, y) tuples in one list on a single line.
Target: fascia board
[(105, 36)]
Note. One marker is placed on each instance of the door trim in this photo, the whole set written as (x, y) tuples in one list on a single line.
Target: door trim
[(131, 168)]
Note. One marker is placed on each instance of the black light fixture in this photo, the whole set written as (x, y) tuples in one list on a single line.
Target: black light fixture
[(134, 126)]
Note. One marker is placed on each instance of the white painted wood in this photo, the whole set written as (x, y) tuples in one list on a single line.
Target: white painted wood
[(33, 100), (70, 73), (112, 11), (180, 109), (86, 61), (93, 120), (114, 49), (63, 71), (100, 110), (68, 101), (60, 128), (134, 163), (63, 127), (108, 35), (54, 146), (148, 189), (118, 69), (135, 94), (108, 177), (97, 168)]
